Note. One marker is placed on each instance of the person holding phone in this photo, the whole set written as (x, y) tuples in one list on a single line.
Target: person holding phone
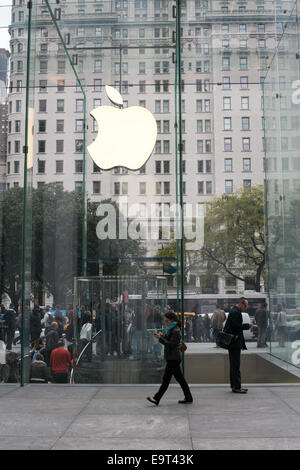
[(235, 326), (173, 355)]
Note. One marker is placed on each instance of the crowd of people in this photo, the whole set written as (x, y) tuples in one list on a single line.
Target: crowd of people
[(50, 333), (128, 333)]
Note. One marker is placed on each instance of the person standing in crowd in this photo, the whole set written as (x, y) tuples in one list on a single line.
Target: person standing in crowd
[(262, 323), (235, 326), (35, 325), (217, 322), (281, 325), (2, 321), (60, 360), (47, 320), (59, 318), (38, 348), (189, 330), (39, 371), (52, 338), (86, 333), (10, 326), (172, 343), (11, 373), (137, 326), (206, 321), (70, 334)]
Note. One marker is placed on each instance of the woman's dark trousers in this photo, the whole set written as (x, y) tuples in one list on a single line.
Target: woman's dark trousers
[(173, 368)]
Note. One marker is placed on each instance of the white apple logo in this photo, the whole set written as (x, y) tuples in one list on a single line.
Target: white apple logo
[(126, 137)]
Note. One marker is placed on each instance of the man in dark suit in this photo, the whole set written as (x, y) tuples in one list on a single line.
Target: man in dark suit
[(234, 325)]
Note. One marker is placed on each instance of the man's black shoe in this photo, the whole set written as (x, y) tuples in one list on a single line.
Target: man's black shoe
[(185, 401)]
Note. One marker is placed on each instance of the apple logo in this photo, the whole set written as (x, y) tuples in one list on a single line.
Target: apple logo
[(126, 136)]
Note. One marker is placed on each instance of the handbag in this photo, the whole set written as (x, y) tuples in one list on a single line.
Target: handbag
[(183, 346), (225, 340)]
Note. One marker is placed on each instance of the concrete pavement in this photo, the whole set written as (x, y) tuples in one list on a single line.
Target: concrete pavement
[(119, 417)]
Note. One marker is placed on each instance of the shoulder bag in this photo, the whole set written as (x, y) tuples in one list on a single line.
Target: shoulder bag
[(225, 340)]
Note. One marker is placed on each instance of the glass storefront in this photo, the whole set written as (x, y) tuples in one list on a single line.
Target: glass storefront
[(281, 105), (113, 239)]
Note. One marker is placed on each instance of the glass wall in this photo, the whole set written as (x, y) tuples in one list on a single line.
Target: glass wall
[(282, 120), (177, 222)]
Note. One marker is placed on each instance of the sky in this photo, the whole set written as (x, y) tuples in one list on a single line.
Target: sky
[(5, 18)]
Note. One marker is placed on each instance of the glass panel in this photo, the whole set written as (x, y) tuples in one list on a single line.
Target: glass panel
[(125, 312), (189, 219), (282, 191), (93, 222)]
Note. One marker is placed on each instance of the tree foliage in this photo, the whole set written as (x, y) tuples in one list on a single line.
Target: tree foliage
[(56, 251), (234, 240)]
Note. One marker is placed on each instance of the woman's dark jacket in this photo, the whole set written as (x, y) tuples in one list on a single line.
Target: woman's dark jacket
[(172, 344), (235, 326)]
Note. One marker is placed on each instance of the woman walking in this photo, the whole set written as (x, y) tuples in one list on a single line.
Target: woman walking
[(172, 343)]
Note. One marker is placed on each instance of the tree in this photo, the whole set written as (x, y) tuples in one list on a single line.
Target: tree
[(56, 252), (234, 241)]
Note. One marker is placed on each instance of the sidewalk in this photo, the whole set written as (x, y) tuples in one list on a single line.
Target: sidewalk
[(119, 417)]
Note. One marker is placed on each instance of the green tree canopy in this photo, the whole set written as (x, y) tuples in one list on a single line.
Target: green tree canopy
[(234, 240), (56, 252)]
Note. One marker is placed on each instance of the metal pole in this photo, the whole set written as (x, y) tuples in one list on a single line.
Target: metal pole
[(25, 212), (180, 148)]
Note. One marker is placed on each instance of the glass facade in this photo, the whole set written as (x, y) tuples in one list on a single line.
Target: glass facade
[(281, 106), (209, 216)]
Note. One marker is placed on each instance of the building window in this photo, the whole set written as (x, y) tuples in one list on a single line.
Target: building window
[(79, 106), (59, 146), (42, 126), (60, 106), (200, 187), (78, 186), (78, 166), (41, 166), (41, 146), (246, 144), (228, 186), (245, 123), (142, 189), (226, 83), (208, 186), (59, 166), (97, 84), (42, 106), (60, 125), (96, 187), (245, 102), (247, 184), (227, 103), (244, 63), (16, 166), (79, 125), (246, 164), (227, 124), (228, 144), (244, 82), (228, 164)]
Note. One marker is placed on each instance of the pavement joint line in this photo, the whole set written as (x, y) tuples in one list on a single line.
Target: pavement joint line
[(62, 433), (286, 402)]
